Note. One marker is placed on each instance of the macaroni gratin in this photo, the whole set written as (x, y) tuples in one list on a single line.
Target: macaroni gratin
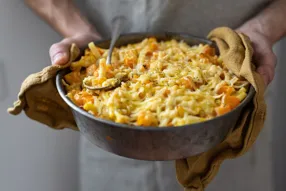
[(167, 83)]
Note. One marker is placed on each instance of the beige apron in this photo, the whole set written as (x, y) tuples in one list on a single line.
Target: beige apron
[(102, 171)]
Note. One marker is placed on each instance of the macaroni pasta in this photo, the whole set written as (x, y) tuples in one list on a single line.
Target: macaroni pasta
[(166, 83)]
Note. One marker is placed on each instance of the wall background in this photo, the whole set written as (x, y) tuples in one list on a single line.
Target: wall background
[(32, 157)]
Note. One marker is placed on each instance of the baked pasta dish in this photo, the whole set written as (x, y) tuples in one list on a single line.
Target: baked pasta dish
[(159, 84)]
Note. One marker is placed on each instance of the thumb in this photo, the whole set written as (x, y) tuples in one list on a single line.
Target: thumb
[(266, 62), (264, 73), (59, 53)]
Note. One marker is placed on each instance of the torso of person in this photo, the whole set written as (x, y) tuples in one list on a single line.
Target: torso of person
[(196, 17)]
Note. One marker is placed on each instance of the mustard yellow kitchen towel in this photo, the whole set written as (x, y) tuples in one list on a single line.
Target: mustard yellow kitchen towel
[(40, 100), (195, 173)]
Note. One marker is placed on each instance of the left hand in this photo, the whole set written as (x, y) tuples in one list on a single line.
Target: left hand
[(263, 55)]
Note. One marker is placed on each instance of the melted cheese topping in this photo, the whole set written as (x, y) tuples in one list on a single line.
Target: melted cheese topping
[(168, 84)]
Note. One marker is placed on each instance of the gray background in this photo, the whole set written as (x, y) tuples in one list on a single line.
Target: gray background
[(36, 158)]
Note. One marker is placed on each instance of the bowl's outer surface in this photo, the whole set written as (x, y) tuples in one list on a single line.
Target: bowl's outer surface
[(151, 143)]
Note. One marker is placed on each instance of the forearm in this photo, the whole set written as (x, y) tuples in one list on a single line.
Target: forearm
[(62, 15), (271, 22)]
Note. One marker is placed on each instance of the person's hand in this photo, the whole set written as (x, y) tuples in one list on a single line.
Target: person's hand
[(263, 55), (59, 52)]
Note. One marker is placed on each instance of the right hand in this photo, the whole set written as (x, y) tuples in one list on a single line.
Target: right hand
[(59, 52)]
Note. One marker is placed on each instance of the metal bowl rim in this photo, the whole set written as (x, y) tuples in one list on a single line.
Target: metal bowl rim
[(61, 91), (150, 34)]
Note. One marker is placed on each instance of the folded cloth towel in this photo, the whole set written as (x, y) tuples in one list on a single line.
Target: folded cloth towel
[(40, 100), (196, 172)]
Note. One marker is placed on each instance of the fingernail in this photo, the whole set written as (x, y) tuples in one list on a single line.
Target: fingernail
[(57, 58)]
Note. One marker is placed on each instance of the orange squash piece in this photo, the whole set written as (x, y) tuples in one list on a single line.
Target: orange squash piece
[(180, 111), (228, 90), (209, 51), (188, 82), (146, 119), (222, 110), (232, 101), (73, 77)]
